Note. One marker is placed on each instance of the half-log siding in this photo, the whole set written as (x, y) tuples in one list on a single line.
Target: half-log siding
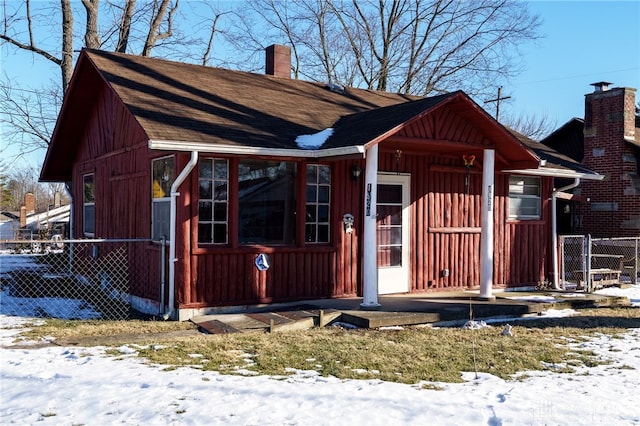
[(120, 105), (445, 219)]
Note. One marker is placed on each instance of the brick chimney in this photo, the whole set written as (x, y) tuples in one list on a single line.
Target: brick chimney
[(609, 149), (30, 202), (23, 217), (278, 61)]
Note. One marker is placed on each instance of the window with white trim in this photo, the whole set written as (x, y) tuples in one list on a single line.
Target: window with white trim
[(163, 171), (88, 205), (318, 190), (524, 197), (213, 202)]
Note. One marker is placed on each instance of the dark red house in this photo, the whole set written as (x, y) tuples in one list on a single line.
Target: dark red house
[(271, 189)]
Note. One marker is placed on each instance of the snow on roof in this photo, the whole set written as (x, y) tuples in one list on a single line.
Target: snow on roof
[(315, 140)]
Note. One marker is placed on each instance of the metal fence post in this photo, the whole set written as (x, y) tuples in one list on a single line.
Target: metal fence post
[(587, 268), (162, 274), (636, 263), (562, 263)]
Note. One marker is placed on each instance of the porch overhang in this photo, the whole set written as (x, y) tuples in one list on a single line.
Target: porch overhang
[(456, 126), (447, 147)]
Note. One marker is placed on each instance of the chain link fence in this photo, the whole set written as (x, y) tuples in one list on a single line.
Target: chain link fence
[(590, 263), (82, 279)]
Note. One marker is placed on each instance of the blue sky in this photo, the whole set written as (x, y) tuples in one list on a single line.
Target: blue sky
[(583, 42)]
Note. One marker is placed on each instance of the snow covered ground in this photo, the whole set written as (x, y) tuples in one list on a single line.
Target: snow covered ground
[(73, 385)]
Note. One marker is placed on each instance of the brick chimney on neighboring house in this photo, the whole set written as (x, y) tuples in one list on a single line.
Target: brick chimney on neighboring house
[(611, 148), (30, 202), (278, 61)]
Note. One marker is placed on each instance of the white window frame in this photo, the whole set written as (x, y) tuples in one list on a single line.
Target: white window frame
[(88, 205), (316, 204), (214, 200), (165, 200), (524, 188)]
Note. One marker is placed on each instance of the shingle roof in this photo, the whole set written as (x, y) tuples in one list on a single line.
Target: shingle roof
[(186, 102), (553, 158)]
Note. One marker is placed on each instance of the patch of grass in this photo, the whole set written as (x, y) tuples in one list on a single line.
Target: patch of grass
[(625, 367), (61, 329), (412, 355)]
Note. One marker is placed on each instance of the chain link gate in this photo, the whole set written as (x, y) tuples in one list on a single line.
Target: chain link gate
[(590, 263), (82, 279)]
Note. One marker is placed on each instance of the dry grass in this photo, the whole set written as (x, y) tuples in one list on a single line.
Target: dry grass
[(408, 356)]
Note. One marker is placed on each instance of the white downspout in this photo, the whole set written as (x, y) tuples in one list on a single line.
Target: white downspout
[(172, 230), (554, 230), (486, 237), (370, 262)]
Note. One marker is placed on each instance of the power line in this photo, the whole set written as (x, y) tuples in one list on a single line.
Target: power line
[(579, 76), (4, 86)]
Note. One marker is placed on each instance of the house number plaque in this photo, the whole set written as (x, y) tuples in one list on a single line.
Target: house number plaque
[(368, 202)]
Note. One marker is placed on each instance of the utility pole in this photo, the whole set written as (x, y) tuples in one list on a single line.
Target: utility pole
[(497, 100)]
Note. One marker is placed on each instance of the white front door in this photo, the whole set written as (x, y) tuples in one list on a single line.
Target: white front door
[(392, 208)]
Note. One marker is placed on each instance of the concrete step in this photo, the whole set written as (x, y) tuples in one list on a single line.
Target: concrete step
[(265, 321)]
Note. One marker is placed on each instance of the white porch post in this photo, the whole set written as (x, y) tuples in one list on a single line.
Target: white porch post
[(370, 275), (486, 240)]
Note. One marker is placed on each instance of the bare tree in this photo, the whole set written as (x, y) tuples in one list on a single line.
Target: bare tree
[(29, 114), (408, 46), (24, 180), (124, 29), (533, 126), (12, 36), (156, 33), (214, 30)]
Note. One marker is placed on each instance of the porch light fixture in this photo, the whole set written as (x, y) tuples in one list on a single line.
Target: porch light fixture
[(356, 171)]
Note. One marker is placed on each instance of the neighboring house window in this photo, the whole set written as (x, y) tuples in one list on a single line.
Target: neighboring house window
[(524, 197), (213, 204), (317, 204), (88, 205), (162, 179), (266, 202)]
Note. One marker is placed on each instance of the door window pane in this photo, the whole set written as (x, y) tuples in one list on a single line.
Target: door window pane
[(389, 225)]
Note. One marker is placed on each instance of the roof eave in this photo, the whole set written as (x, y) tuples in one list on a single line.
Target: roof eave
[(183, 146), (559, 173)]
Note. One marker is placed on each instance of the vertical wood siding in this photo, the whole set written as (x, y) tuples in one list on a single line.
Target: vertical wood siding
[(114, 149), (445, 217), (228, 276)]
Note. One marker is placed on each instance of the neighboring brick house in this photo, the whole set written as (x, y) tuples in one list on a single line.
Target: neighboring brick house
[(607, 141)]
